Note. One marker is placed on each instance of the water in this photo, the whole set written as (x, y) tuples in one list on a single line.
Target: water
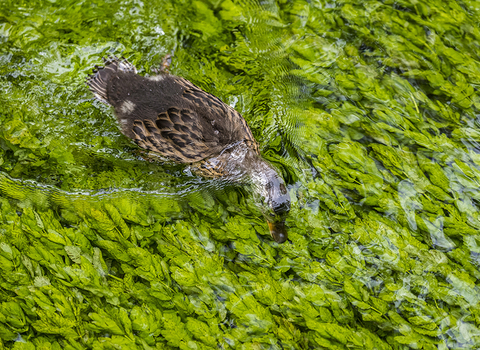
[(370, 111)]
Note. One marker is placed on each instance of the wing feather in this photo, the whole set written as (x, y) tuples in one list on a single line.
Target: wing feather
[(198, 127)]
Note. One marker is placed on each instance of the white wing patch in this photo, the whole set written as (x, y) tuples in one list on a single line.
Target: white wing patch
[(157, 77), (127, 107)]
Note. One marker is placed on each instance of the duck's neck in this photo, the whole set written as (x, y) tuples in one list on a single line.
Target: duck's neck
[(237, 163), (242, 164), (261, 175)]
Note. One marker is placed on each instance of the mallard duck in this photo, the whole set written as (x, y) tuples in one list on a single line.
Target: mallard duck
[(171, 116)]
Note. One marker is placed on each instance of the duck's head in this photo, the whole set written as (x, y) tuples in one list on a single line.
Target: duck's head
[(243, 164), (273, 198)]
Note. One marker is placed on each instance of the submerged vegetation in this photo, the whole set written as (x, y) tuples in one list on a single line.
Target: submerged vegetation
[(371, 111)]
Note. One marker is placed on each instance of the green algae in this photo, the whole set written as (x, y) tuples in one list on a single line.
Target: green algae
[(370, 109)]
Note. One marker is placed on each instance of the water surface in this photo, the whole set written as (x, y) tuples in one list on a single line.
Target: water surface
[(369, 109)]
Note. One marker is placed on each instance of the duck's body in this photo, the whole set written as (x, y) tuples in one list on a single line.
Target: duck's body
[(171, 116)]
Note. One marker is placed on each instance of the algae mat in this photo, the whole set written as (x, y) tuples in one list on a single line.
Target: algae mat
[(369, 108)]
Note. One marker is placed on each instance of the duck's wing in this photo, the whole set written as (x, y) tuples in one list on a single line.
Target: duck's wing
[(231, 126), (198, 127), (175, 134)]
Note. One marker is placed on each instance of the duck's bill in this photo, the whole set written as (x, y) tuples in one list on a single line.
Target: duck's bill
[(278, 231)]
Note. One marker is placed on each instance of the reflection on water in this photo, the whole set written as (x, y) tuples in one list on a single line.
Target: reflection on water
[(370, 111)]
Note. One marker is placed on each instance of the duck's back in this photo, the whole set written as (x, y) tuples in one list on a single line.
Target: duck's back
[(168, 114)]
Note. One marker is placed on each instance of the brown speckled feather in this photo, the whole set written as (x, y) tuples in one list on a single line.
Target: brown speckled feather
[(168, 114)]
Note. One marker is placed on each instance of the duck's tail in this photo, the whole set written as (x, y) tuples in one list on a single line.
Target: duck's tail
[(97, 82)]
